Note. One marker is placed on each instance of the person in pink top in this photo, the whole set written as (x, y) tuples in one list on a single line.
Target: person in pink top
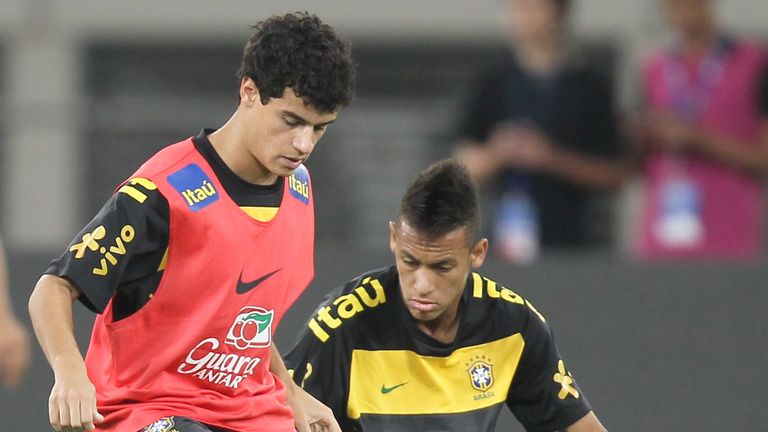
[(702, 142)]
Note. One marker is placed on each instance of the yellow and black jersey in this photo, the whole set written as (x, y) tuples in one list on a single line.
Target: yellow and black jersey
[(362, 355), (121, 252)]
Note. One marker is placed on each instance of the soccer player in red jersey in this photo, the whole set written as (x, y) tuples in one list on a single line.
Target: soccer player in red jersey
[(194, 260)]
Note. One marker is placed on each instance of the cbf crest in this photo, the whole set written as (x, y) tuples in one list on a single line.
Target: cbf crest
[(480, 372), (162, 425)]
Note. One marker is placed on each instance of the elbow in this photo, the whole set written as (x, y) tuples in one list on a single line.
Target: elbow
[(49, 288), (36, 299), (613, 178)]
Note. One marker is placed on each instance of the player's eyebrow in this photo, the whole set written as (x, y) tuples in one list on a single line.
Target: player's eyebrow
[(301, 120), (409, 257), (447, 261)]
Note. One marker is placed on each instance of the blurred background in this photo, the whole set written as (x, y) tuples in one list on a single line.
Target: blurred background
[(90, 89)]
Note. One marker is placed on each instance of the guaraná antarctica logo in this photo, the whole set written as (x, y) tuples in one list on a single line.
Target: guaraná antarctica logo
[(252, 328)]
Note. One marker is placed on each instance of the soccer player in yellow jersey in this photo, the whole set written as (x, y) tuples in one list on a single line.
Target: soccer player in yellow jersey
[(430, 345)]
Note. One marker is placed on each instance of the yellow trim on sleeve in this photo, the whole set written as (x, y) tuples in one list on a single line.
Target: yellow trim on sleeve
[(133, 193), (145, 183), (163, 261)]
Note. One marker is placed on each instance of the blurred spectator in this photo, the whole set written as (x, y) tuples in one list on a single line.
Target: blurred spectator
[(14, 344), (540, 131), (702, 142)]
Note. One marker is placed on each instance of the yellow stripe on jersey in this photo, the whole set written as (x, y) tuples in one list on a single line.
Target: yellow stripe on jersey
[(145, 183), (401, 382), (493, 291), (134, 193), (261, 214), (163, 261)]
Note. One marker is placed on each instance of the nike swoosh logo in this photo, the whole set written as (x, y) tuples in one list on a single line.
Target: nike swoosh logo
[(385, 389), (244, 287)]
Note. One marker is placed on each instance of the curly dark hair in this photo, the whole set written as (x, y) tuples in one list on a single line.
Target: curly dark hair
[(300, 52), (440, 200)]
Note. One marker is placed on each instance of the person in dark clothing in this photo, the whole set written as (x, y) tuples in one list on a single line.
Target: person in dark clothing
[(540, 130)]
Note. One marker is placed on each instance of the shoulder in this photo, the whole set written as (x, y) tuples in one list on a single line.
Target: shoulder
[(750, 47), (359, 300), (496, 302), (166, 159), (750, 55)]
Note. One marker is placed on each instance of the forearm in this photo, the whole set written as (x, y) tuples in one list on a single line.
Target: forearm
[(751, 157), (6, 311), (588, 423), (277, 366), (588, 171), (480, 161), (50, 307)]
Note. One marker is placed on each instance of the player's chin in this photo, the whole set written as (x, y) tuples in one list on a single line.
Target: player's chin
[(282, 170), (424, 316), (285, 169)]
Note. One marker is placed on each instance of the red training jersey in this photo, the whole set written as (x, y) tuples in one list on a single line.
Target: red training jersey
[(200, 347)]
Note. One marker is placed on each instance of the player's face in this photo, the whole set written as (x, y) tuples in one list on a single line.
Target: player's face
[(281, 134), (433, 273), (688, 16), (529, 21)]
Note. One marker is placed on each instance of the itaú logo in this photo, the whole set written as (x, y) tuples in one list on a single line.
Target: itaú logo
[(252, 328)]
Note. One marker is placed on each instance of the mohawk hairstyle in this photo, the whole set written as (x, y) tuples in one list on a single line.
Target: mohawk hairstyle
[(300, 52), (440, 200)]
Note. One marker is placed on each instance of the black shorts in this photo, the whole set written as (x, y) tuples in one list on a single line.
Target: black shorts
[(179, 424)]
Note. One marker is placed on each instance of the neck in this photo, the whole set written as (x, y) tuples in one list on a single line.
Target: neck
[(698, 42), (542, 54), (443, 329), (231, 144)]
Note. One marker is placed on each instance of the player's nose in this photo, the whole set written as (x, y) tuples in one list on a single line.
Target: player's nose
[(304, 141), (422, 284)]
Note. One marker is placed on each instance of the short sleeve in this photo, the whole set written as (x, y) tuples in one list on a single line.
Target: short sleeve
[(321, 367), (544, 395), (112, 248)]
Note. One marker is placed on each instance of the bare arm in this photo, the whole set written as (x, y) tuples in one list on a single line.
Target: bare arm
[(72, 403), (664, 131), (310, 414), (14, 344), (588, 423), (527, 149), (481, 162), (752, 157), (589, 171)]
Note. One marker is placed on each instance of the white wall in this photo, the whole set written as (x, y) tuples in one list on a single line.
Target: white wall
[(41, 40)]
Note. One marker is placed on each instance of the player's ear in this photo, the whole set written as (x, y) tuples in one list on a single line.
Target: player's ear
[(478, 253), (392, 236), (249, 92)]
